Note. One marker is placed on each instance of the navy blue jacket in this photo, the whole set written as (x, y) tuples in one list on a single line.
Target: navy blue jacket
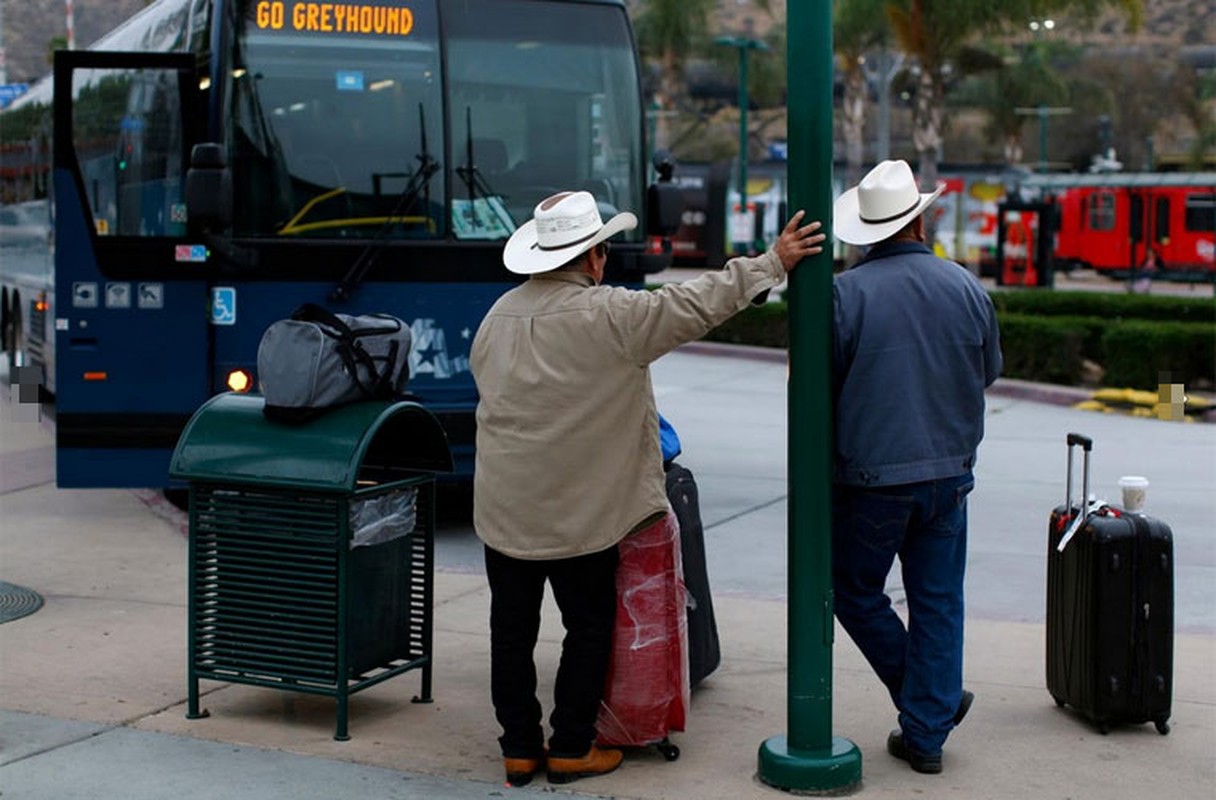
[(916, 342)]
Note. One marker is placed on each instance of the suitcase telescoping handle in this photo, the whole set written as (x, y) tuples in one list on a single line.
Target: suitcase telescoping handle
[(1084, 441), (1087, 445)]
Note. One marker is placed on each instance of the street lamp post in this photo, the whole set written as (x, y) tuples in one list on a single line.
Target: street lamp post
[(743, 44), (1043, 112), (807, 758), (882, 68), (1040, 28)]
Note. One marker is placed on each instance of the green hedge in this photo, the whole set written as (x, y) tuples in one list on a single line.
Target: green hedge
[(1136, 352), (762, 326), (1053, 348), (1106, 305), (1048, 349)]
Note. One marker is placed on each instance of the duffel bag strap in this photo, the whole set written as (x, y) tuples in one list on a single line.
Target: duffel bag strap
[(381, 387), (311, 312)]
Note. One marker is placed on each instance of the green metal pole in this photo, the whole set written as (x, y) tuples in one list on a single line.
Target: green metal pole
[(809, 758), (742, 44)]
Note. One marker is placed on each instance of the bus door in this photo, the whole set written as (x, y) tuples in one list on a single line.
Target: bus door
[(131, 296), (1137, 227), (1148, 229)]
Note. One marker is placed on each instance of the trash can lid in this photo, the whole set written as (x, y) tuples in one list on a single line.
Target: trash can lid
[(229, 440)]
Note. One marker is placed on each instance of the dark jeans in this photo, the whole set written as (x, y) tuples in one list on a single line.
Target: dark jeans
[(925, 524), (585, 591)]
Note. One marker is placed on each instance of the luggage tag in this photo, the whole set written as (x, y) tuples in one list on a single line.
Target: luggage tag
[(1089, 504), (1094, 506)]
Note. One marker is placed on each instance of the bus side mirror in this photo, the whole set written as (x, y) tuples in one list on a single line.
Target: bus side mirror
[(664, 208), (209, 188), (664, 200)]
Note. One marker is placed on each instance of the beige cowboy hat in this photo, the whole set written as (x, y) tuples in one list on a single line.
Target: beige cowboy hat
[(562, 227), (886, 200)]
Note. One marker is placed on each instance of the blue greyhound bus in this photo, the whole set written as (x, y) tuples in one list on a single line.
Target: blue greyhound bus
[(365, 156)]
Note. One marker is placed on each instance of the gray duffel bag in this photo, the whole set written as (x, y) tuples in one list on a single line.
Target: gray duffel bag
[(318, 360)]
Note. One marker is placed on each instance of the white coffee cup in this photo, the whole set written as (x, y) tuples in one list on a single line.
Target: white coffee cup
[(1134, 489)]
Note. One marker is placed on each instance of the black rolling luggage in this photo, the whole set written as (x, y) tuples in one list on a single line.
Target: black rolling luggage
[(704, 652), (1110, 609)]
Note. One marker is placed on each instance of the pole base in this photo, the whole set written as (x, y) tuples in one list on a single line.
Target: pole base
[(835, 772)]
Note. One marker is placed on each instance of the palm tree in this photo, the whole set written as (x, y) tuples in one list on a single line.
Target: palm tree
[(671, 30), (1012, 84), (935, 33), (860, 26)]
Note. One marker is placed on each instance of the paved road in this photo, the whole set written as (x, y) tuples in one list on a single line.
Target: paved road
[(730, 413), (1080, 280), (92, 686)]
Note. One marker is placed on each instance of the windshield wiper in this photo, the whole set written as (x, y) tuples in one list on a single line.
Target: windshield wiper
[(475, 182), (419, 185)]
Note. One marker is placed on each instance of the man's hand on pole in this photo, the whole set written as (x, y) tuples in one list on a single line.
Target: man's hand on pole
[(796, 243)]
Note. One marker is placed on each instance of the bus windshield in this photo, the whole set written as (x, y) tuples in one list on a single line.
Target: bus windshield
[(337, 121), (543, 95), (340, 130)]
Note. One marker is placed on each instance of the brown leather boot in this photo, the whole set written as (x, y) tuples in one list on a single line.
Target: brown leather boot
[(521, 770), (596, 762)]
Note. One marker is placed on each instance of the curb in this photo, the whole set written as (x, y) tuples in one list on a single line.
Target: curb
[(1015, 388), (771, 355), (1040, 392)]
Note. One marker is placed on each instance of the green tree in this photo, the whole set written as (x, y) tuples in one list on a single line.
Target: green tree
[(55, 43), (859, 27), (766, 78), (1195, 97), (766, 72), (1016, 83), (1154, 101), (936, 32), (670, 31)]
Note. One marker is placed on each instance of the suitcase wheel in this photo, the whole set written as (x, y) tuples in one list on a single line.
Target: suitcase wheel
[(1059, 702), (1104, 728), (1163, 727), (670, 751)]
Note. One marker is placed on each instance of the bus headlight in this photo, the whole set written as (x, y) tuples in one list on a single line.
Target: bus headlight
[(240, 381)]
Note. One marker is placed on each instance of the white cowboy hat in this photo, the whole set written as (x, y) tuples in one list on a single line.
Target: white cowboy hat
[(886, 200), (562, 227)]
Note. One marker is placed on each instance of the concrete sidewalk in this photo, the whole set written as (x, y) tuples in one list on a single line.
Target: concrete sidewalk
[(93, 689), (102, 666)]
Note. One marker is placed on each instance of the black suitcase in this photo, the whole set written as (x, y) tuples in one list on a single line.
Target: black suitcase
[(1110, 609), (704, 650)]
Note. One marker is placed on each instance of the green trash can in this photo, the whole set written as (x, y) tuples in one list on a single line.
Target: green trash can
[(311, 563)]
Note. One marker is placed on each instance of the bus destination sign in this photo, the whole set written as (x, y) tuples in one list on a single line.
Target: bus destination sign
[(313, 17)]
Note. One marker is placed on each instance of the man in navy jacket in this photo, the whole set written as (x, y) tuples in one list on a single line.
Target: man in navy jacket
[(916, 343)]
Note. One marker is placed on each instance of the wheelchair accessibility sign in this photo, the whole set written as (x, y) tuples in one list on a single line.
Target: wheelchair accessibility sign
[(223, 305)]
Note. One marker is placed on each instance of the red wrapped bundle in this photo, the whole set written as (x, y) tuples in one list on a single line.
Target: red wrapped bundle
[(647, 691)]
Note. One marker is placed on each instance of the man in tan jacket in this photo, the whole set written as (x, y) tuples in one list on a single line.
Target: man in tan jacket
[(568, 459)]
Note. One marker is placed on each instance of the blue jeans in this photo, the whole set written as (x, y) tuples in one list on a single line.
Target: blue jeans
[(925, 524)]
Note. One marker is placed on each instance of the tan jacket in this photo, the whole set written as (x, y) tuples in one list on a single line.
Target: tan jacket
[(568, 459)]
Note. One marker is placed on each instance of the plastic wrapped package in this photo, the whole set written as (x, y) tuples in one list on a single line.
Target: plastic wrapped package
[(646, 695), (383, 517)]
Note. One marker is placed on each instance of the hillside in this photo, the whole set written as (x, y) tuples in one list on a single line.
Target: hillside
[(31, 25), (1167, 23)]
